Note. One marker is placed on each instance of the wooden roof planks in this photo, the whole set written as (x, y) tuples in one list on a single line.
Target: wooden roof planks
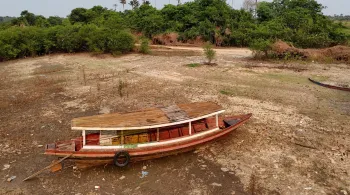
[(148, 118)]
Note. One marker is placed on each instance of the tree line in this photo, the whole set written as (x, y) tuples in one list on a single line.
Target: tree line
[(299, 22), (6, 18), (340, 17)]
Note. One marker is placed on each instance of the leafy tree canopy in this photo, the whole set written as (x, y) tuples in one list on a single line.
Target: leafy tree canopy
[(299, 22)]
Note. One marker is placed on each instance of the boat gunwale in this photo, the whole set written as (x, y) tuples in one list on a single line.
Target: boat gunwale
[(147, 127), (144, 151), (329, 86)]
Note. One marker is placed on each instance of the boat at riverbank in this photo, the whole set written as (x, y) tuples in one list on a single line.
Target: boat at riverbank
[(146, 134), (330, 86)]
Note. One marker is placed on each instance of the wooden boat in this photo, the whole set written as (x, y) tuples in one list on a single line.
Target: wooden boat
[(146, 134), (329, 86)]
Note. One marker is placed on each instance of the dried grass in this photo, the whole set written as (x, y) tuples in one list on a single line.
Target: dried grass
[(47, 69)]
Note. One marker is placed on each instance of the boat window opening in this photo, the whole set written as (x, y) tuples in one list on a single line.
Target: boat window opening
[(177, 131), (126, 137), (109, 138), (91, 137)]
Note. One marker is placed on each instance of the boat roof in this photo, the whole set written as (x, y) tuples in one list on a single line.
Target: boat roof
[(148, 118)]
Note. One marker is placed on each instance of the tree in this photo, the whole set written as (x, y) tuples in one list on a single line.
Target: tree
[(148, 20), (134, 4), (78, 15), (115, 7), (29, 17), (41, 21), (55, 20), (123, 2), (250, 5)]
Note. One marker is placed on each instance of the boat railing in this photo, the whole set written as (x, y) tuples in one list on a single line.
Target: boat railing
[(66, 145)]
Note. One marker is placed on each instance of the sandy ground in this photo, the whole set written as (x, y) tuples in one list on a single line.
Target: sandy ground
[(297, 142)]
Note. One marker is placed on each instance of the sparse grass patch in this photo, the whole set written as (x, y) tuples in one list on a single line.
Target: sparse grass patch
[(226, 92), (193, 65), (47, 69), (320, 78), (297, 67), (175, 52), (121, 87), (285, 77)]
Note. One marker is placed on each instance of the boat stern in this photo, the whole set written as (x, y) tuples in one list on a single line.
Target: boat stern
[(59, 147)]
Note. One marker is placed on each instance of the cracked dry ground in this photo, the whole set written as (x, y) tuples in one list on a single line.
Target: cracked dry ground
[(296, 143)]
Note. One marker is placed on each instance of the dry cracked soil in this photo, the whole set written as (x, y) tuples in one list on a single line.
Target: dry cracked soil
[(297, 141)]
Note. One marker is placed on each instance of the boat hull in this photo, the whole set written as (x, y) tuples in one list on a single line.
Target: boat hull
[(151, 152), (329, 86)]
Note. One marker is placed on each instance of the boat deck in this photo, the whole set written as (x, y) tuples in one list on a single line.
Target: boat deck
[(167, 133), (147, 118)]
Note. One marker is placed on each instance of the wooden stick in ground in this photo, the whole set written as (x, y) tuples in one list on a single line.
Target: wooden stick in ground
[(37, 173)]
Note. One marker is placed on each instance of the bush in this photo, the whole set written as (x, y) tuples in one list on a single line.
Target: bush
[(119, 42), (260, 46), (17, 42), (94, 38), (68, 38), (209, 52), (98, 29), (9, 39), (144, 48)]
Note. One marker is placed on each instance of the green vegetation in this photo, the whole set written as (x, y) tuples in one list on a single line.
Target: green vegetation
[(299, 22), (6, 19), (144, 47), (30, 35), (193, 65), (226, 92), (209, 52), (340, 17)]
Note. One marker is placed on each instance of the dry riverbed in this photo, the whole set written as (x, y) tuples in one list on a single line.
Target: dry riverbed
[(297, 141)]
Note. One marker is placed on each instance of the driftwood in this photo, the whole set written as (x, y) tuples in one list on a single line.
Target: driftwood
[(305, 146), (42, 170)]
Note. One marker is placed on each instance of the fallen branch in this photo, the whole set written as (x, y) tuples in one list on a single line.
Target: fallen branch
[(42, 170)]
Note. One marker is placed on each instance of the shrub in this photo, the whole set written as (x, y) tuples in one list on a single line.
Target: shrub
[(23, 42), (119, 41), (260, 46), (68, 38), (9, 39), (94, 38), (209, 52), (144, 48)]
